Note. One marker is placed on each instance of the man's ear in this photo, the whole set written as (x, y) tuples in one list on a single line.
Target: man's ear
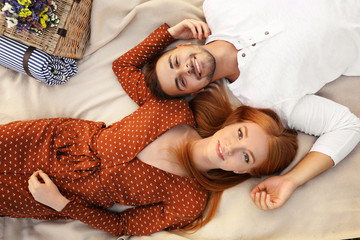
[(184, 44), (240, 172), (198, 91)]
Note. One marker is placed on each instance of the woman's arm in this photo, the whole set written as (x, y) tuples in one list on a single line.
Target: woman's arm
[(140, 220), (339, 132), (45, 191), (128, 67)]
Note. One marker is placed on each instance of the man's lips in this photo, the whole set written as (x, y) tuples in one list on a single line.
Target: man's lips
[(197, 67)]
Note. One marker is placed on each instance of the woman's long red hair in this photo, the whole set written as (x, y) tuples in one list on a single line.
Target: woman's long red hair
[(213, 111)]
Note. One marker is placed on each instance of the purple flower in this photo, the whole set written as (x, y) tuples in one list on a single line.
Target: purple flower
[(30, 23), (7, 14)]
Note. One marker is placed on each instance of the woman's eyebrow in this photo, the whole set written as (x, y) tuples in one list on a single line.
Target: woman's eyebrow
[(251, 153)]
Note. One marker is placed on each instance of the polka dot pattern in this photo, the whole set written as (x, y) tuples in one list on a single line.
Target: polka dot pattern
[(96, 166)]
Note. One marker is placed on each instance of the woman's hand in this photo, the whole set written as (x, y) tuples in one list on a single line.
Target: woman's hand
[(273, 192), (190, 28), (46, 192)]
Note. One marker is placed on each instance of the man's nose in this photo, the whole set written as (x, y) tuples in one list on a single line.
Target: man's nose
[(186, 69)]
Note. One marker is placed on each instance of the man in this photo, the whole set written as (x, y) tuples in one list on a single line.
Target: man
[(277, 54)]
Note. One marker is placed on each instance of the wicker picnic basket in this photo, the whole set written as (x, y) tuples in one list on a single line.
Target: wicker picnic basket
[(68, 39)]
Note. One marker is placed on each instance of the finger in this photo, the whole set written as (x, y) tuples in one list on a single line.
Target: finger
[(269, 203), (263, 201), (252, 195), (254, 191), (197, 26), (30, 187), (30, 182), (201, 28), (257, 200), (258, 188), (45, 177), (34, 178), (33, 181), (193, 29), (205, 30)]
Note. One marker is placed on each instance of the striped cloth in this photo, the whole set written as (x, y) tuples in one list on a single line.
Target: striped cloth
[(52, 70)]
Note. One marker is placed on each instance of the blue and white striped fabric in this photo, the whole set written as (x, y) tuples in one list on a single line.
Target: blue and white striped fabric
[(52, 70)]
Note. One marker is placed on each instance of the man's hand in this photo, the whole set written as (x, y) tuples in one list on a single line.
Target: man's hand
[(46, 192), (273, 192), (189, 29)]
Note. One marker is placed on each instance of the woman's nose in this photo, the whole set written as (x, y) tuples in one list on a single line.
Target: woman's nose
[(234, 147)]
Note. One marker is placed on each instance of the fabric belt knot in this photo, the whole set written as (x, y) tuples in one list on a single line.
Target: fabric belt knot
[(79, 165)]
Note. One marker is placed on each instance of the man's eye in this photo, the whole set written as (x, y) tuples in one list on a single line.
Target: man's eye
[(246, 157), (176, 62), (182, 81), (240, 133)]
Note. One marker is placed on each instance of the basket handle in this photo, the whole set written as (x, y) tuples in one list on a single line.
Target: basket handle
[(62, 32)]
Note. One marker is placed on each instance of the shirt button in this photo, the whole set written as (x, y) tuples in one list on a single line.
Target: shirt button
[(243, 55), (253, 45), (266, 33)]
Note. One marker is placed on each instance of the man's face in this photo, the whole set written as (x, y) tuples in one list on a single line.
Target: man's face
[(185, 70)]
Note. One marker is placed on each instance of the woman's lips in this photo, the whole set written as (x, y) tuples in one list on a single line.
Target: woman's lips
[(219, 150)]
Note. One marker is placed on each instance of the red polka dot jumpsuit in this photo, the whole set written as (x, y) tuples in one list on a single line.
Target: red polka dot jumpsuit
[(95, 166)]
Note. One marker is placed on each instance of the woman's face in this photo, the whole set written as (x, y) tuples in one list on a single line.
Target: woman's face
[(238, 147)]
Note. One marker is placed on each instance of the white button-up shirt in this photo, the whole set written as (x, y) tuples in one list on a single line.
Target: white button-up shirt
[(287, 51)]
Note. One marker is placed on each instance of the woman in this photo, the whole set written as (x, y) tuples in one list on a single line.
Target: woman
[(153, 160), (168, 172)]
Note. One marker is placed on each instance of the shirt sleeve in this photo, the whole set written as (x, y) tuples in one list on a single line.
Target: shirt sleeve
[(141, 220), (338, 129), (127, 67)]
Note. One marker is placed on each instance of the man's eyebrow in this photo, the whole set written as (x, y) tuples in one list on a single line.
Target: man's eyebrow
[(170, 63), (176, 79)]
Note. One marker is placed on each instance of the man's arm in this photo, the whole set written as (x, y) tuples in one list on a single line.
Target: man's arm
[(339, 132), (273, 192), (190, 29)]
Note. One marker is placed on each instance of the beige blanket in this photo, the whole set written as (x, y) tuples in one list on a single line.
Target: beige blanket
[(328, 207)]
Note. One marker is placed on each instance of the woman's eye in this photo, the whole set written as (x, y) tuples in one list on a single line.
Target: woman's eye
[(246, 157), (176, 62), (240, 133)]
